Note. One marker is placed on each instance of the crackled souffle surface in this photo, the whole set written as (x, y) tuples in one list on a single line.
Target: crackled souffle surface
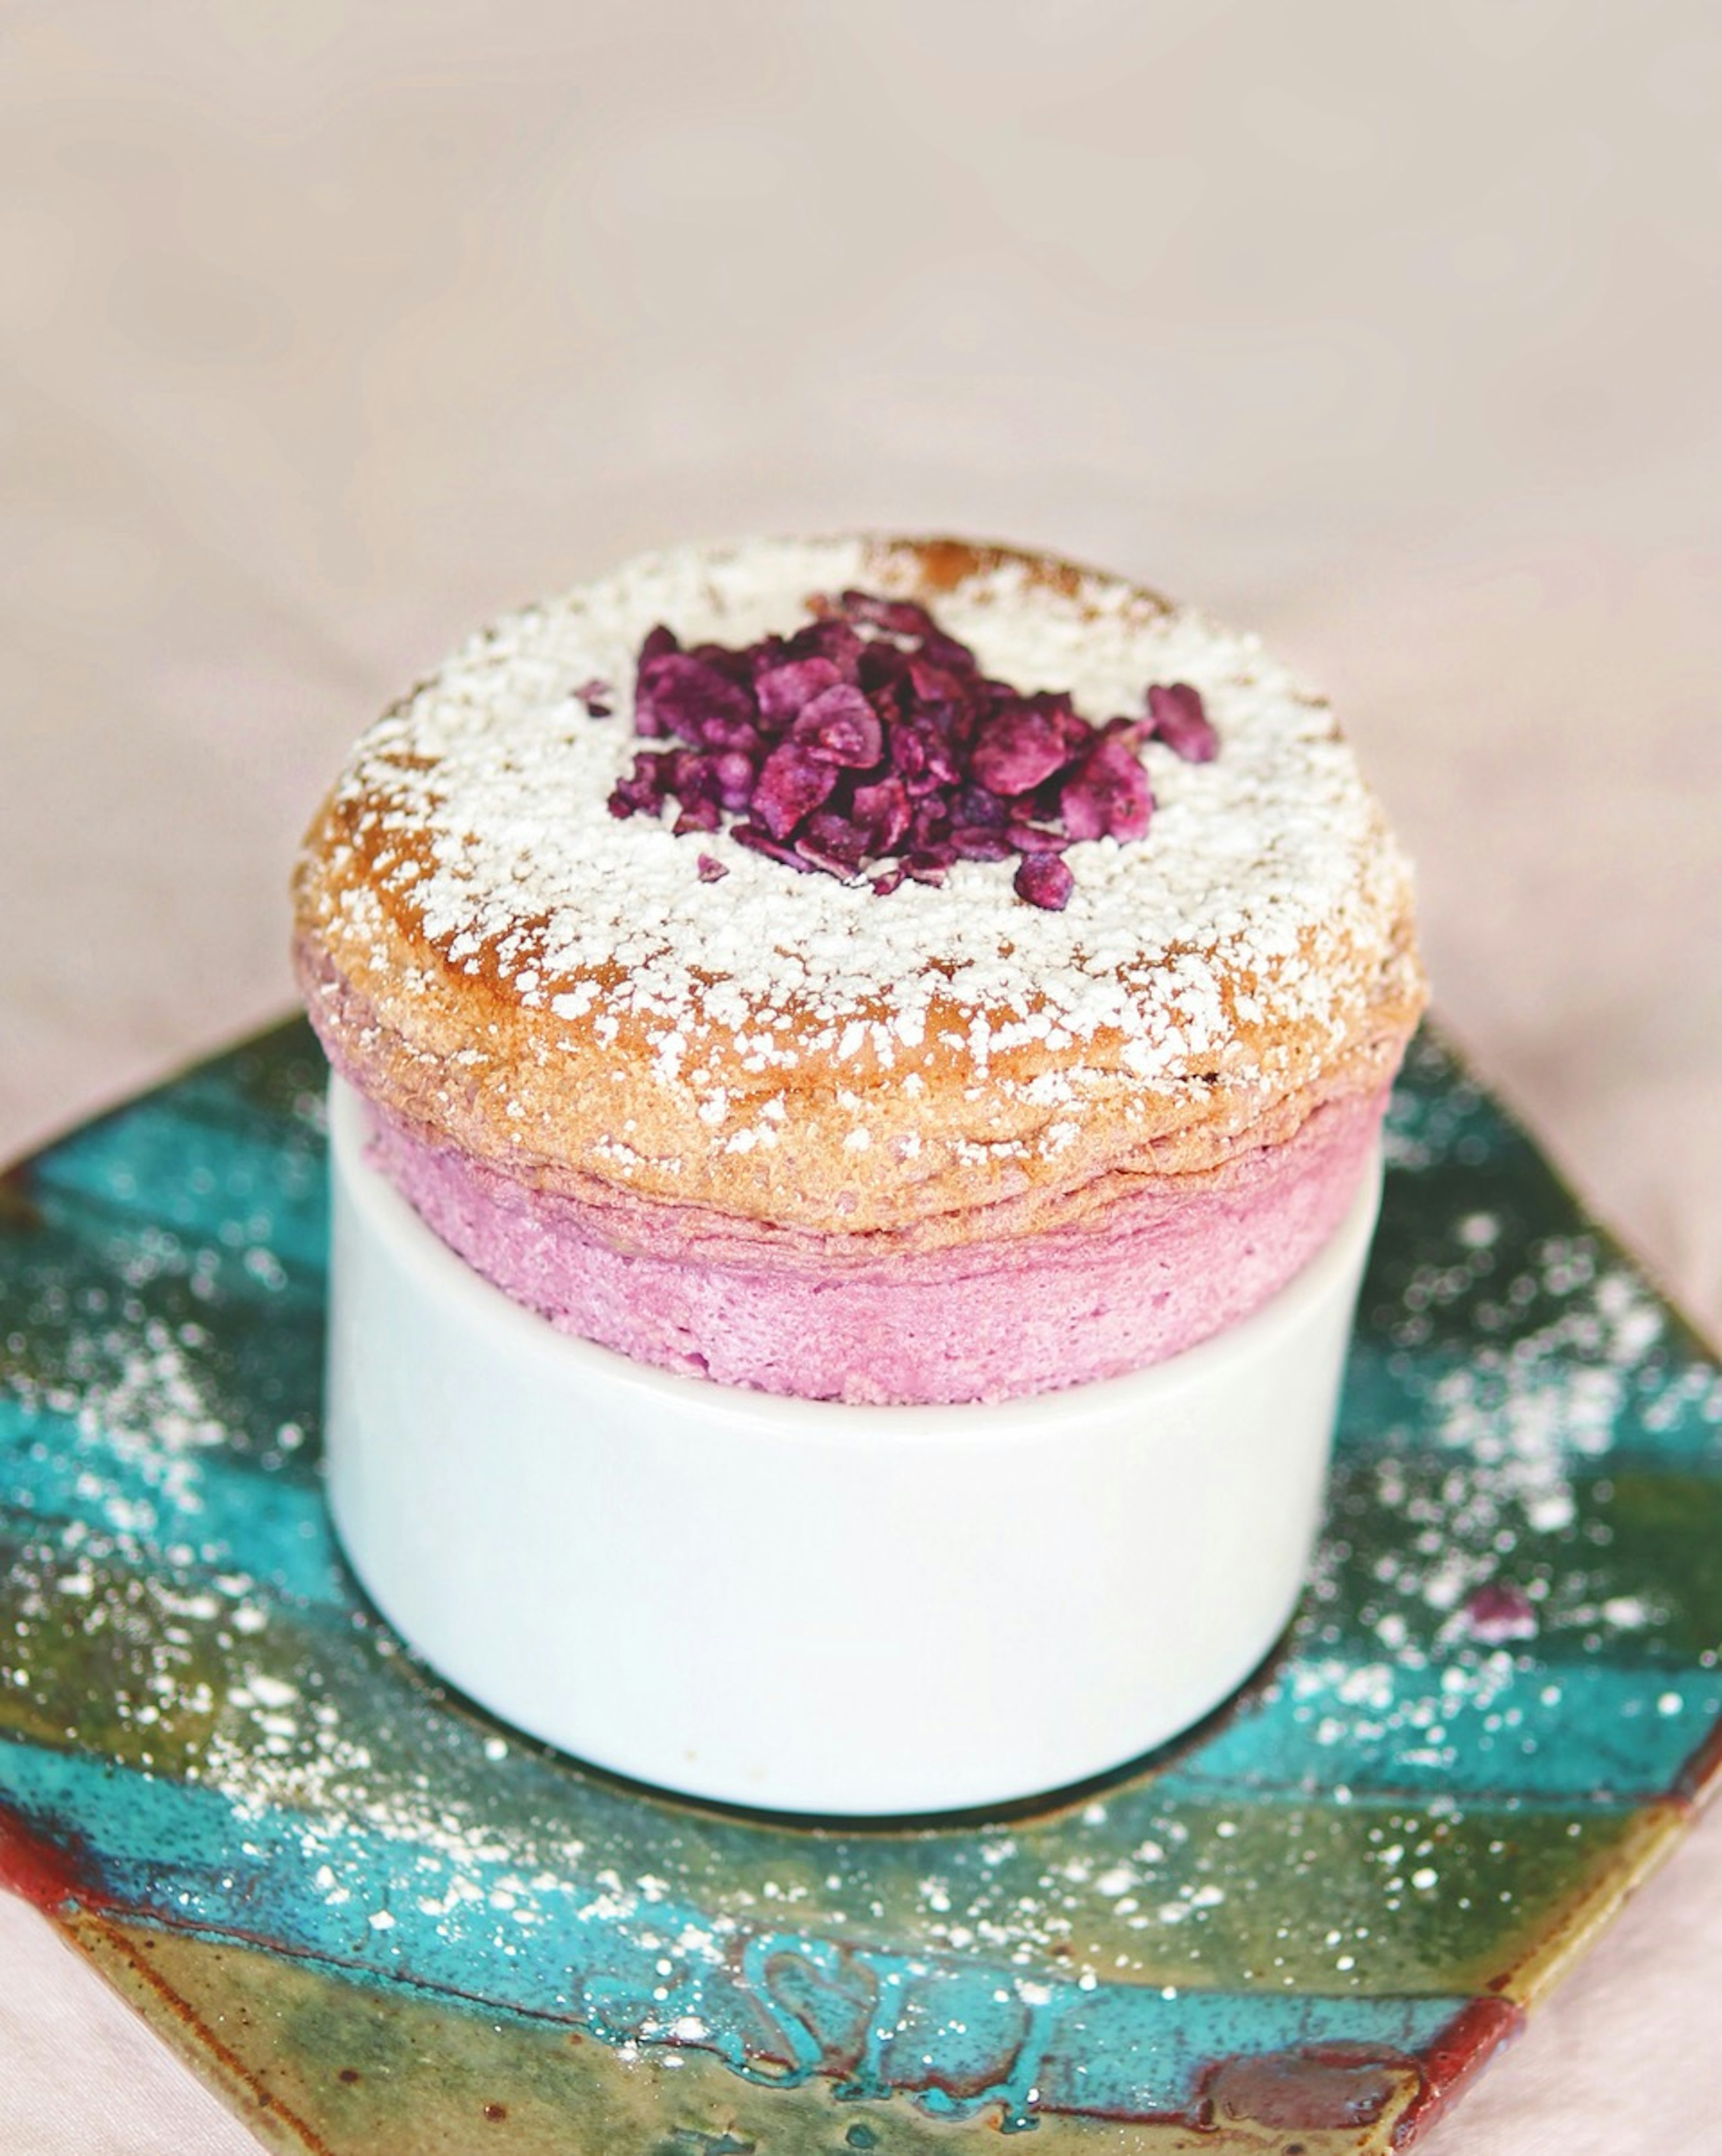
[(934, 1143)]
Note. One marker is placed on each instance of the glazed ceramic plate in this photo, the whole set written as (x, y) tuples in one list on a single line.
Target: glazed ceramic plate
[(380, 1922)]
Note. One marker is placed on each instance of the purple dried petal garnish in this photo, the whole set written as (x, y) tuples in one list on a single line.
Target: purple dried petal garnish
[(871, 735), (978, 804), (785, 691), (832, 843), (735, 664), (710, 871), (831, 640), (1031, 838), (684, 773), (930, 825), (909, 622), (1044, 880), (977, 842), (882, 669), (1017, 747), (908, 749), (944, 760), (923, 755), (945, 651), (723, 730), (926, 868), (840, 727), (644, 792), (1107, 794), (897, 617), (1078, 731), (758, 841), (595, 696), (681, 694), (942, 685), (1180, 721), (1055, 707), (733, 774), (1497, 1611), (791, 784), (883, 812)]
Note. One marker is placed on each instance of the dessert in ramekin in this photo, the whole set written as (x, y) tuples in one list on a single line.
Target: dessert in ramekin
[(949, 991)]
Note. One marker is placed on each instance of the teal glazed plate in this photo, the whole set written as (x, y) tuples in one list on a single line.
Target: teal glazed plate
[(382, 1924)]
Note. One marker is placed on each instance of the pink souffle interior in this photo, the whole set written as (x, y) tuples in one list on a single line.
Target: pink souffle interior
[(867, 1319)]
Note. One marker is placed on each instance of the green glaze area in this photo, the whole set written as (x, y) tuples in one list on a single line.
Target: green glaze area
[(1630, 1555), (313, 2061), (1473, 1738)]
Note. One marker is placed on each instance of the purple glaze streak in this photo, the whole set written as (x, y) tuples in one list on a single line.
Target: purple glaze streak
[(984, 1320)]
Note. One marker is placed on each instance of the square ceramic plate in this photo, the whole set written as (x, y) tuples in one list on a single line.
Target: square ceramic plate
[(379, 1922)]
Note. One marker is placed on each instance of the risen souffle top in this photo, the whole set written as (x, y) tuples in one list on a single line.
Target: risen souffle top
[(573, 999)]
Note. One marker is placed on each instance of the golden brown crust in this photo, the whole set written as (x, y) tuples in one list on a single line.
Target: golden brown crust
[(849, 1119)]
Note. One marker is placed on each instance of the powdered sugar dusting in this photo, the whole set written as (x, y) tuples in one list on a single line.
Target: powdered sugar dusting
[(1260, 861)]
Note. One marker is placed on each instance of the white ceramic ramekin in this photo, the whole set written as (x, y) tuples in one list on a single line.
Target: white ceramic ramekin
[(804, 1605)]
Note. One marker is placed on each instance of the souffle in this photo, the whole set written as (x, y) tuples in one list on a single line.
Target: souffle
[(870, 969)]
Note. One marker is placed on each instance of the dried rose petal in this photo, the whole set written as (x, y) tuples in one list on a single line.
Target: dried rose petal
[(832, 640), (687, 774), (1107, 794), (759, 840), (1498, 1611), (710, 871), (595, 696), (735, 664), (923, 754), (927, 868), (785, 691), (884, 669), (930, 825), (1180, 721), (840, 726), (1044, 880), (831, 843), (1031, 839), (883, 812), (1017, 747), (644, 792), (947, 687), (679, 694), (871, 735), (906, 618), (978, 842), (733, 774), (900, 616), (978, 804), (791, 784)]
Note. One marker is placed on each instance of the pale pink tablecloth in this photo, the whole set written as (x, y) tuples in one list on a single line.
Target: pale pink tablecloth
[(330, 328)]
